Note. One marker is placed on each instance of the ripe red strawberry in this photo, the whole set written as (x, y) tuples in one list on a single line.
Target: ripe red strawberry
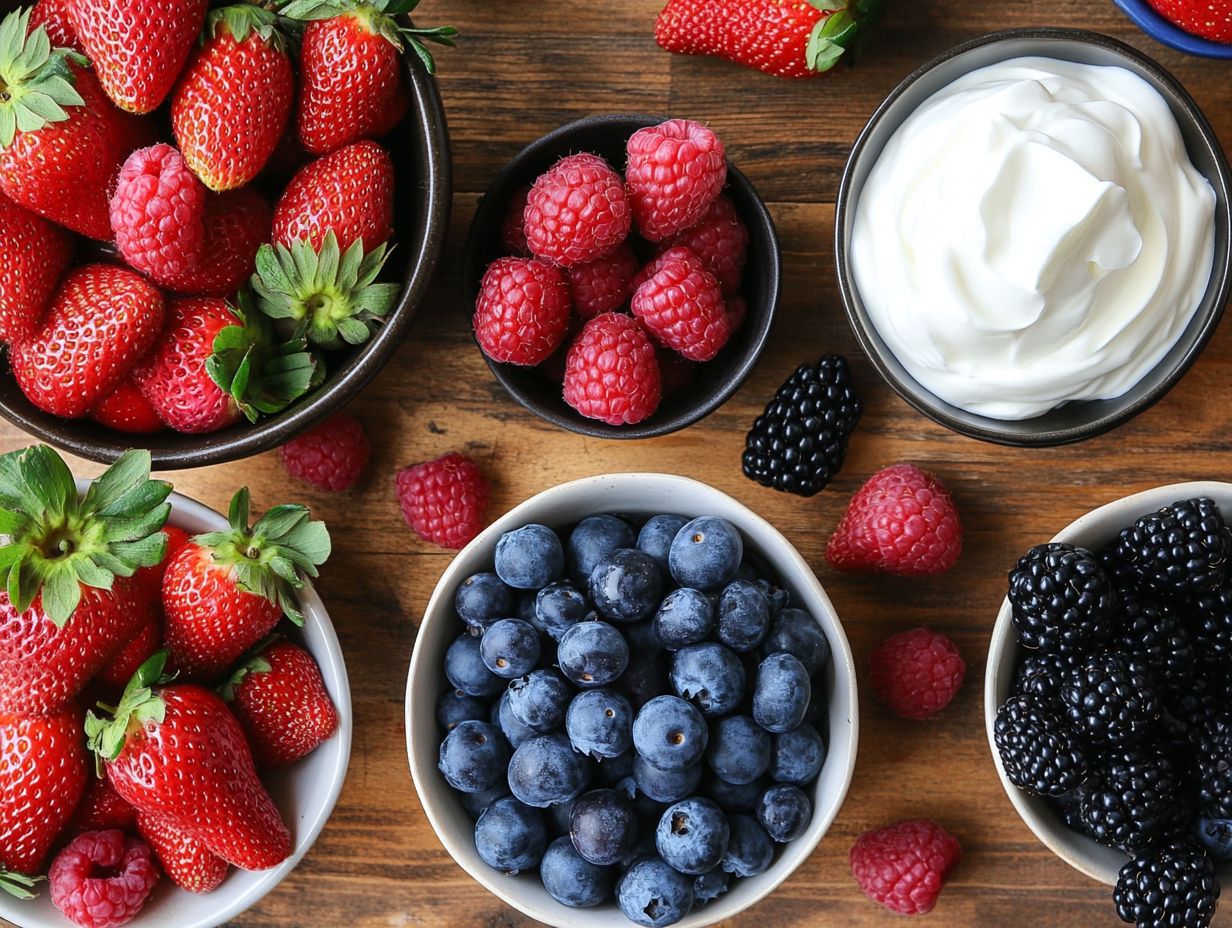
[(232, 103), (674, 171), (349, 192), (221, 595), (43, 773), (147, 642), (137, 47), (236, 224), (282, 704), (351, 68), (522, 311), (54, 16), (611, 373), (101, 321), (126, 410), (102, 807), (188, 863), (443, 500), (681, 304), (576, 211), (1210, 19), (603, 285), (34, 254), (790, 38), (158, 212), (720, 239)]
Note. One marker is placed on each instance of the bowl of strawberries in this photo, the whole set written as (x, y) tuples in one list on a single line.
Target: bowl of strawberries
[(213, 238), (623, 275), (175, 716)]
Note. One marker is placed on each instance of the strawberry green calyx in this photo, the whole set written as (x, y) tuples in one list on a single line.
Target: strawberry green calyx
[(56, 541), (18, 884), (242, 20), (380, 18), (843, 30), (36, 82), (138, 705), (252, 663)]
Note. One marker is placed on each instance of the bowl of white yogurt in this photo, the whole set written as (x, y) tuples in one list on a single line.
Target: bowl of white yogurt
[(1033, 235)]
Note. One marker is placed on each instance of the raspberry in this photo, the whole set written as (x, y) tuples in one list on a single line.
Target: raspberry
[(611, 373), (904, 866), (513, 229), (916, 673), (576, 211), (102, 879), (675, 171), (331, 456), (682, 306), (158, 212), (902, 521), (602, 285), (522, 311), (720, 239), (236, 224), (444, 500)]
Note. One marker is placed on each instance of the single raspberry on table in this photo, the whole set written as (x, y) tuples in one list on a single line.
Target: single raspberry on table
[(522, 311), (158, 212), (675, 171), (513, 229), (444, 500), (681, 304), (602, 285), (576, 211), (902, 521), (721, 240), (916, 673), (102, 879), (904, 866), (332, 456), (611, 373)]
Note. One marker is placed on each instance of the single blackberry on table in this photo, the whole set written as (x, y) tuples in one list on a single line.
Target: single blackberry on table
[(1182, 549), (1212, 742), (799, 442), (1041, 754), (1170, 885), (1061, 598), (1110, 699), (1132, 800), (1040, 673), (1154, 634)]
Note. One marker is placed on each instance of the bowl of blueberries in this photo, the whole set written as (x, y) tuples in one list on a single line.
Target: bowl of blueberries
[(630, 702)]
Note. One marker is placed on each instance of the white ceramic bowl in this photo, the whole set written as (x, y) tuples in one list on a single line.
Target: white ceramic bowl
[(1093, 530), (632, 494), (305, 792)]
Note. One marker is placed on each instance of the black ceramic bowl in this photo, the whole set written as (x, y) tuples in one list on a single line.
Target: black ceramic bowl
[(1074, 421), (420, 150), (715, 380)]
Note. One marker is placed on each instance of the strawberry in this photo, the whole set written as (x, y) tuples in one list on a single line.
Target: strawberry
[(126, 410), (67, 605), (789, 38), (175, 752), (282, 704), (231, 106), (351, 68), (137, 47), (54, 16), (236, 224), (34, 254), (185, 859), (147, 641), (43, 773), (1210, 19), (225, 591), (101, 321), (101, 808)]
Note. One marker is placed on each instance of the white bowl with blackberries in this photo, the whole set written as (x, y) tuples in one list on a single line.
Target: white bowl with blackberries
[(631, 702), (1108, 699)]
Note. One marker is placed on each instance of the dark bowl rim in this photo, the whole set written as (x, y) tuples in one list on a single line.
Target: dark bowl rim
[(575, 422), (1166, 33), (922, 400)]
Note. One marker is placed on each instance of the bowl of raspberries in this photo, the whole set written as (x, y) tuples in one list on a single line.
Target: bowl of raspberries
[(1107, 700), (622, 275), (630, 703), (212, 237), (173, 742)]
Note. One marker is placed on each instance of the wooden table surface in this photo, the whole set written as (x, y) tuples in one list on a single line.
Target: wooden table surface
[(524, 68)]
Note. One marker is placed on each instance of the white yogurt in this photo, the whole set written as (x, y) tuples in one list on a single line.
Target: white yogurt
[(1034, 233)]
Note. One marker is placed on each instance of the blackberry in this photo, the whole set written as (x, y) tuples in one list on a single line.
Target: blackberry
[(1068, 806), (799, 442), (1110, 699), (1182, 549), (1210, 624), (1184, 712), (1152, 633), (1212, 742), (1170, 885), (1040, 673), (1133, 799), (1061, 598), (1041, 754)]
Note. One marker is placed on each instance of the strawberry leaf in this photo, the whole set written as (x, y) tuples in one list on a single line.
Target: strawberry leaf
[(139, 705), (37, 79), (18, 885)]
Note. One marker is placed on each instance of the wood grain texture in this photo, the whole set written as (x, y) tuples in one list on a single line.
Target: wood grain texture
[(522, 69)]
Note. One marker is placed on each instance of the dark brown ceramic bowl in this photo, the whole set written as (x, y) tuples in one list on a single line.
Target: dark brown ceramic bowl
[(420, 149), (715, 380)]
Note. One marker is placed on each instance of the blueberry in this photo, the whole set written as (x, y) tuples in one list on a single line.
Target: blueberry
[(710, 676), (646, 678), (781, 693), (652, 894), (473, 757), (466, 671), (592, 654), (784, 811), (795, 632), (572, 880), (593, 539), (626, 585), (481, 599), (513, 728), (539, 700), (455, 706), (734, 797), (510, 836), (692, 836), (739, 749), (777, 598), (475, 803), (684, 617), (707, 887), (665, 785), (817, 711), (509, 648), (529, 558), (524, 608), (797, 756), (559, 817), (603, 826), (600, 723), (670, 733), (1216, 834), (743, 616), (749, 850), (655, 537), (705, 553), (546, 770), (558, 607), (642, 639), (611, 771)]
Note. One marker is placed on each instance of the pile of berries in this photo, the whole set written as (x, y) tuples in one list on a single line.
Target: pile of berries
[(619, 284), (1121, 714), (634, 710), (174, 638)]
